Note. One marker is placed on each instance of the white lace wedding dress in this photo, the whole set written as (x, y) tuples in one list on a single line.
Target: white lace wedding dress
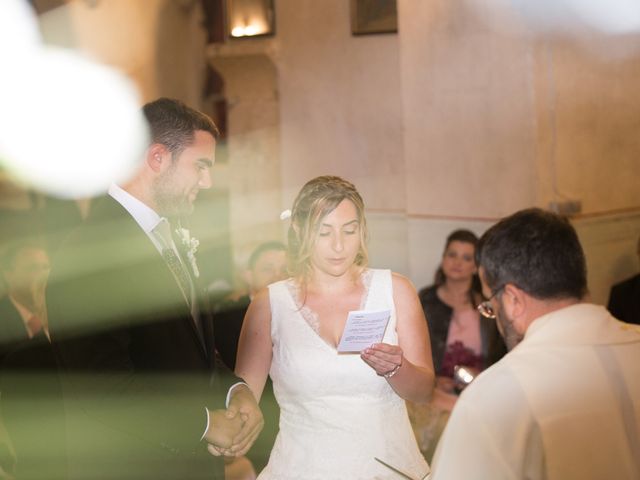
[(336, 413)]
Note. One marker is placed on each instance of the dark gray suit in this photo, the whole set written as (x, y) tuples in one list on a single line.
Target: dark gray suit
[(137, 376)]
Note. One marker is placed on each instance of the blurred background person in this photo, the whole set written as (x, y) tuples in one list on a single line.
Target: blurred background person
[(460, 336), (624, 298), (267, 264), (30, 401), (25, 267)]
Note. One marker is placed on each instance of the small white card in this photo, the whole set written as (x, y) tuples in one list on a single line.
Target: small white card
[(363, 328)]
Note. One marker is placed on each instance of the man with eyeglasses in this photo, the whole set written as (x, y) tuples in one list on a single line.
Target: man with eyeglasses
[(564, 403)]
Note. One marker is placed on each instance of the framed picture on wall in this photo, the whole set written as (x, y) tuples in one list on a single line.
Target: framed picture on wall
[(373, 16)]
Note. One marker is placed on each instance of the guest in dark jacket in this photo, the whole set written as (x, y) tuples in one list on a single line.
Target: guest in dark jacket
[(31, 404), (624, 299), (459, 335), (24, 266)]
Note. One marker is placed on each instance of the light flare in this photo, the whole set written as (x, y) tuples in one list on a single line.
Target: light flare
[(69, 126)]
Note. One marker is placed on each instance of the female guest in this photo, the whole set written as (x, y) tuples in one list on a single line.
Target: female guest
[(460, 336), (338, 411)]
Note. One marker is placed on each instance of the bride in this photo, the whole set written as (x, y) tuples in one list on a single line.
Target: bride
[(337, 411)]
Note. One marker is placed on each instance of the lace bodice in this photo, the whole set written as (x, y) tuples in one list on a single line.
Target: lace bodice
[(308, 314)]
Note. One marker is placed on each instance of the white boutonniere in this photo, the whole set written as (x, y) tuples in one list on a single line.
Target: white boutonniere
[(190, 245)]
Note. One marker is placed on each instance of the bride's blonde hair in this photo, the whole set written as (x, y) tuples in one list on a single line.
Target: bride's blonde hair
[(318, 198)]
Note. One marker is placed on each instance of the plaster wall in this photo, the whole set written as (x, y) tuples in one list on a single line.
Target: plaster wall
[(587, 108), (450, 123), (340, 103), (158, 44), (498, 119), (468, 111), (253, 151)]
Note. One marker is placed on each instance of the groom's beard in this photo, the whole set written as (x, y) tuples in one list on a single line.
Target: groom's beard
[(169, 200)]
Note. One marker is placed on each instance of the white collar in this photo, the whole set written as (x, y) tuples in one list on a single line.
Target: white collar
[(579, 324), (144, 215)]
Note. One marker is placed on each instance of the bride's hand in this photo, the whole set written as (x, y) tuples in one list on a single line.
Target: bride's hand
[(243, 405), (384, 358)]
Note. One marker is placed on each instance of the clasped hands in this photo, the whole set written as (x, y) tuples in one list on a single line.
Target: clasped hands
[(232, 431)]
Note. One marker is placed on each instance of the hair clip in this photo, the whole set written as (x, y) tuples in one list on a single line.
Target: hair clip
[(285, 214)]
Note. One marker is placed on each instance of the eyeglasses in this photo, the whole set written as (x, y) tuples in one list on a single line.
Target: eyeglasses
[(486, 309)]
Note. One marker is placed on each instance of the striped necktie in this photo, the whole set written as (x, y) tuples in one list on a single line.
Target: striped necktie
[(163, 233)]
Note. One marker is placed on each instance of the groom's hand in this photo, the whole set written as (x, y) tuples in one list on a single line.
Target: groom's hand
[(221, 432), (243, 405)]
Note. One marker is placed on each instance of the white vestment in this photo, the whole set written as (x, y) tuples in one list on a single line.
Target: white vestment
[(564, 404)]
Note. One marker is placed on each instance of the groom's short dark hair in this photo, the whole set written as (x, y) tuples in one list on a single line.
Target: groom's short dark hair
[(173, 123)]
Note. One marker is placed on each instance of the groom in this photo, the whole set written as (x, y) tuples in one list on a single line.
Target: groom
[(144, 392)]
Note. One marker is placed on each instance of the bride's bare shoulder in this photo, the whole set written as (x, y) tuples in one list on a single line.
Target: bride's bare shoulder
[(402, 284)]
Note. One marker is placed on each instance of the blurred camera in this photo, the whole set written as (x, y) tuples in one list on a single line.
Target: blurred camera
[(463, 376)]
